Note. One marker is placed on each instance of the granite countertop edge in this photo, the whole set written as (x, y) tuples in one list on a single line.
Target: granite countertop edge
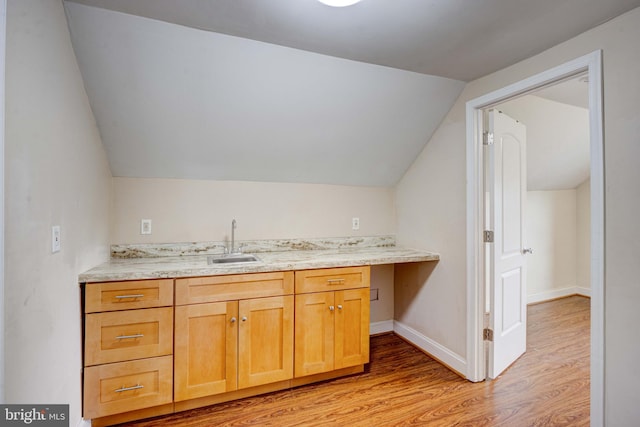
[(196, 265)]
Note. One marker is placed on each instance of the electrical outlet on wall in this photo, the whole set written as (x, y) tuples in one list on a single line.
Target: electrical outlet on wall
[(355, 223), (145, 226)]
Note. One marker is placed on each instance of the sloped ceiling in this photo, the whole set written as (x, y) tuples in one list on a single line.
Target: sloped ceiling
[(558, 151), (292, 90), (459, 39), (177, 102)]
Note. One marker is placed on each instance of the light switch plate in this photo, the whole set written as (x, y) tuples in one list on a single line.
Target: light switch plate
[(55, 239)]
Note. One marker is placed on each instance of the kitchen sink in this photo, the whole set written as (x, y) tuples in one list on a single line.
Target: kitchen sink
[(230, 259)]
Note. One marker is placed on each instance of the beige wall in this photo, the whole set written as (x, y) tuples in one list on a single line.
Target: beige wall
[(431, 207), (56, 173), (583, 232), (551, 232), (196, 211)]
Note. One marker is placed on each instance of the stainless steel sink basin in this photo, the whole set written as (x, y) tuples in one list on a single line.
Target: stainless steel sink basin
[(230, 259)]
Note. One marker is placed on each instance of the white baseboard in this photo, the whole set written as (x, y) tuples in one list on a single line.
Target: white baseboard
[(558, 293), (381, 327), (436, 350), (585, 292)]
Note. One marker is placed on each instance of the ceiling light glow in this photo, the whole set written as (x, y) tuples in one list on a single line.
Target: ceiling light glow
[(339, 3)]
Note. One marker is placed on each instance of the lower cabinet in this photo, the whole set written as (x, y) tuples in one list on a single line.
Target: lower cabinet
[(230, 345), (331, 331), (154, 346), (127, 386)]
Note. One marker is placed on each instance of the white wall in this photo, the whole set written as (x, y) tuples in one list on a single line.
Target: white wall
[(557, 141), (551, 232), (196, 211), (3, 32), (178, 102), (583, 233), (431, 208), (56, 173)]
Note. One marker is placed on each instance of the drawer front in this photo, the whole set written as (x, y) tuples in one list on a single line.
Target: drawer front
[(238, 286), (126, 335), (112, 296), (332, 279), (127, 386)]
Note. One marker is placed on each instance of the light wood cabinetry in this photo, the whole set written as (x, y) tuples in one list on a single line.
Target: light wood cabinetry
[(332, 319), (128, 346), (126, 386), (230, 343), (221, 338), (206, 350)]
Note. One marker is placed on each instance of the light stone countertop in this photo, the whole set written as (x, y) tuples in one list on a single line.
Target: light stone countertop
[(196, 265)]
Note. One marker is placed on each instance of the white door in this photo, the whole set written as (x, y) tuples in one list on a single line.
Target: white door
[(506, 182)]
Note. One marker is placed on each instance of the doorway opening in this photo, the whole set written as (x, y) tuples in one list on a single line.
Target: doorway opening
[(590, 65)]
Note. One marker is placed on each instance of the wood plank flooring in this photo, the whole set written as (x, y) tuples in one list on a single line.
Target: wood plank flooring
[(547, 386)]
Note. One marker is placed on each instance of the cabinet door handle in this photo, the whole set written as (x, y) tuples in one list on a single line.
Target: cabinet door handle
[(244, 318), (339, 307), (123, 388), (129, 296), (335, 281), (128, 337), (233, 320), (331, 308)]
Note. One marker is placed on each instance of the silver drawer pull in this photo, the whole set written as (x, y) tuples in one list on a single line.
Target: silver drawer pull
[(128, 337), (332, 281), (129, 296), (135, 387)]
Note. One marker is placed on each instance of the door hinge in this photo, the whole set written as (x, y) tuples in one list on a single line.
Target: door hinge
[(487, 138), (487, 334), (488, 236)]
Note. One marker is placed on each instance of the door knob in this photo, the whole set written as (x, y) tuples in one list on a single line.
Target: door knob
[(527, 251)]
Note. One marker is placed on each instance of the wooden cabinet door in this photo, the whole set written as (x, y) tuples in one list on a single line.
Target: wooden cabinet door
[(351, 328), (265, 341), (314, 333), (205, 353)]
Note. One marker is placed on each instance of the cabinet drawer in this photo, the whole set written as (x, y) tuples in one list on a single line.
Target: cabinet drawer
[(127, 386), (126, 335), (112, 296), (238, 286), (332, 279)]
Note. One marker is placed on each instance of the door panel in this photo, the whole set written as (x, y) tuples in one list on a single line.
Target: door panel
[(206, 351), (507, 287), (265, 343), (352, 328), (314, 333)]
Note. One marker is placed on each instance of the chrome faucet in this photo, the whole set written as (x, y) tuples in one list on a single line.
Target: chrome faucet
[(232, 250)]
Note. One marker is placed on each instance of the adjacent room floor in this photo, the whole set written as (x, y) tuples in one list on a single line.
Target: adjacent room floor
[(547, 386)]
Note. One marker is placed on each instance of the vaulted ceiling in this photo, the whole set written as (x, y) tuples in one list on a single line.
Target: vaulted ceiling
[(292, 90)]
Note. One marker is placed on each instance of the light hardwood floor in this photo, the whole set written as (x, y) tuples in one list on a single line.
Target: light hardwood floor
[(547, 386)]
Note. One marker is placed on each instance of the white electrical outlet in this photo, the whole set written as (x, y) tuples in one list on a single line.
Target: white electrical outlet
[(55, 239), (355, 223), (145, 226)]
